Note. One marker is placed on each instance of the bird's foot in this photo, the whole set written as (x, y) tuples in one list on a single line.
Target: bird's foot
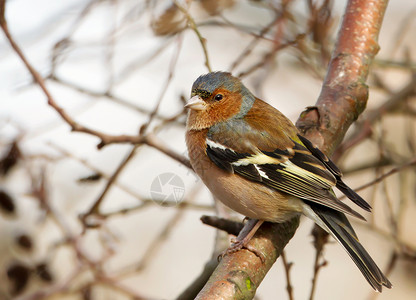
[(241, 242)]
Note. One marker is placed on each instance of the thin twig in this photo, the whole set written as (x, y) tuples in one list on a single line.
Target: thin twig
[(94, 210), (287, 266), (371, 116), (202, 40), (173, 62), (320, 240), (385, 175)]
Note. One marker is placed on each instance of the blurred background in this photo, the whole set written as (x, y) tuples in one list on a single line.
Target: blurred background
[(124, 67)]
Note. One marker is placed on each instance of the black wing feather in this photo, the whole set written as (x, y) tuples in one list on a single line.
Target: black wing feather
[(224, 157), (353, 196), (249, 171)]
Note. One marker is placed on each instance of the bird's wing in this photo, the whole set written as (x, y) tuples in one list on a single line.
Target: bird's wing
[(352, 195), (284, 164)]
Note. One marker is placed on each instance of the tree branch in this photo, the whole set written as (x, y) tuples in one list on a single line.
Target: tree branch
[(239, 275), (344, 93)]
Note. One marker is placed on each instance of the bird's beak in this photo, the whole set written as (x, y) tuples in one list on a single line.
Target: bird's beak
[(196, 103)]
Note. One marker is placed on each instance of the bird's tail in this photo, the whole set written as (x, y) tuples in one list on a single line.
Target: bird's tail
[(337, 224)]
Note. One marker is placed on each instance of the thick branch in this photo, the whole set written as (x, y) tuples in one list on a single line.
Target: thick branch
[(233, 279), (344, 93), (343, 97)]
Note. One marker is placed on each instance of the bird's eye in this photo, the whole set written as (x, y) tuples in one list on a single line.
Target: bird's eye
[(218, 97)]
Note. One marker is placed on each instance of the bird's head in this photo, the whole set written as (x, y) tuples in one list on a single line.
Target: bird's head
[(217, 97)]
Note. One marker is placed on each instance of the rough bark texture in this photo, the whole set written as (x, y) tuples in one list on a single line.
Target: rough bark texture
[(344, 93), (239, 275)]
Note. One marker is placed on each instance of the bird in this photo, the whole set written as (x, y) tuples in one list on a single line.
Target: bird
[(254, 160)]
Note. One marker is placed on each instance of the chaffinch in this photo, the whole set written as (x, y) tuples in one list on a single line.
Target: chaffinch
[(253, 159)]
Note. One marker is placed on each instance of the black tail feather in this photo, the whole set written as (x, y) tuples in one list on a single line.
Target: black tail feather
[(342, 231)]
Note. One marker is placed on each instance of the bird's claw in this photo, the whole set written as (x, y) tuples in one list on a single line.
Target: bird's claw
[(237, 245)]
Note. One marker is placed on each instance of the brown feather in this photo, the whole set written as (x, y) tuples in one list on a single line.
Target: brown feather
[(271, 123)]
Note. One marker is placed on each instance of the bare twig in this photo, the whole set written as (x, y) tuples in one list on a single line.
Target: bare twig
[(202, 40), (287, 265), (320, 240), (411, 163), (164, 89), (94, 210), (75, 126), (365, 130)]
